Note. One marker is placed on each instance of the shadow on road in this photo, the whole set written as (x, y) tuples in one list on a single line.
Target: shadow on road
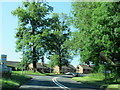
[(49, 85)]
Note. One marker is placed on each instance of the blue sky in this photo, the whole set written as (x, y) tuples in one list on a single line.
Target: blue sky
[(8, 24)]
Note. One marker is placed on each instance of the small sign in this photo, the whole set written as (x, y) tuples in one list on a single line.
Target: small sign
[(106, 71), (3, 58)]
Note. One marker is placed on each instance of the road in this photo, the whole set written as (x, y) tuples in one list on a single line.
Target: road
[(57, 82)]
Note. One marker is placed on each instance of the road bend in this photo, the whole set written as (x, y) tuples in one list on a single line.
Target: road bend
[(56, 82)]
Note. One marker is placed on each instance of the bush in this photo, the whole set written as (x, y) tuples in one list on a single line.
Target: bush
[(6, 74)]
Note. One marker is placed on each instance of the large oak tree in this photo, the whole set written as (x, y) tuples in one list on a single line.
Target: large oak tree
[(32, 26)]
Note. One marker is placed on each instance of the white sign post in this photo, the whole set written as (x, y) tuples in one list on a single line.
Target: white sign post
[(3, 59), (3, 66)]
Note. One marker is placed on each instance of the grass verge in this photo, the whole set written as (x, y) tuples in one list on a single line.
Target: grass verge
[(97, 79), (33, 73), (14, 81)]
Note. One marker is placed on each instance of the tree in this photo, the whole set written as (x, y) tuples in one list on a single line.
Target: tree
[(98, 31), (59, 34), (25, 61), (32, 25), (54, 60)]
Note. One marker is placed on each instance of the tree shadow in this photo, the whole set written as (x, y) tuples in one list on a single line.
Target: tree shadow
[(49, 85), (104, 83)]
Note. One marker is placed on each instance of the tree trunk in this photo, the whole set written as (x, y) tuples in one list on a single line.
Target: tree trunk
[(34, 48), (106, 59), (34, 59), (42, 64), (60, 62), (34, 66)]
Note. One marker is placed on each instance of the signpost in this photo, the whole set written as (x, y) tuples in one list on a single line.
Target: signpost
[(3, 66), (3, 59), (3, 62)]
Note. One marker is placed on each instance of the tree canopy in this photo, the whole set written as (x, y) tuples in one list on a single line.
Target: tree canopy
[(38, 33), (98, 31), (59, 35), (32, 26)]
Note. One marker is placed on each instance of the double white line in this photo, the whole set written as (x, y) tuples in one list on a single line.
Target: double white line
[(59, 84)]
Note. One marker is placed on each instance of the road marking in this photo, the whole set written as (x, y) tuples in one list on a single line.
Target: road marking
[(59, 84)]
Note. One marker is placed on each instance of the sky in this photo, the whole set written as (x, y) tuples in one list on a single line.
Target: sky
[(8, 25)]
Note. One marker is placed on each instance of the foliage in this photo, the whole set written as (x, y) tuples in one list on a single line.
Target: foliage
[(58, 36), (38, 34), (18, 67), (101, 68), (33, 24), (53, 60), (6, 74), (98, 31)]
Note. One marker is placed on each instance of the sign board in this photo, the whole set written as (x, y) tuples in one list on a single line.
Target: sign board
[(3, 59), (106, 71)]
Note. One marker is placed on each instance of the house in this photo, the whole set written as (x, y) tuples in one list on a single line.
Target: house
[(85, 69), (65, 69), (40, 67), (12, 64)]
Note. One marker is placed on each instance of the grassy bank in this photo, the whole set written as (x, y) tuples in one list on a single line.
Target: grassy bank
[(18, 78), (14, 81), (33, 73), (98, 79)]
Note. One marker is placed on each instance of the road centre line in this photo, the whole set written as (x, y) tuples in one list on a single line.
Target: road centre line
[(57, 83)]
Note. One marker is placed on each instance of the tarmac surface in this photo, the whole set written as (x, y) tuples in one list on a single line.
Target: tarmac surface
[(55, 82)]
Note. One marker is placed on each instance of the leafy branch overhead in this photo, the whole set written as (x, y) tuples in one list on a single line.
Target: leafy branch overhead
[(98, 30)]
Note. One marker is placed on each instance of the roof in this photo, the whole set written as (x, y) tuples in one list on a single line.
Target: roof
[(69, 66), (85, 66), (12, 63), (39, 65)]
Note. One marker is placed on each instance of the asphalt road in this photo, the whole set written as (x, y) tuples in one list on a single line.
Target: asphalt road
[(58, 82)]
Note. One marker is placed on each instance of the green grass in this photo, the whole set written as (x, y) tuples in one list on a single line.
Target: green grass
[(29, 72), (114, 86), (98, 80), (14, 81), (33, 73), (91, 79), (19, 77)]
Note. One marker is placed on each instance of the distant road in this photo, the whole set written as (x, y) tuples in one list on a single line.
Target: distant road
[(57, 82)]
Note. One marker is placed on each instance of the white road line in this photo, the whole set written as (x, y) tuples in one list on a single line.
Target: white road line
[(59, 84)]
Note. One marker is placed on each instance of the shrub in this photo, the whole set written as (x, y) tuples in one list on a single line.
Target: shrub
[(6, 74)]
